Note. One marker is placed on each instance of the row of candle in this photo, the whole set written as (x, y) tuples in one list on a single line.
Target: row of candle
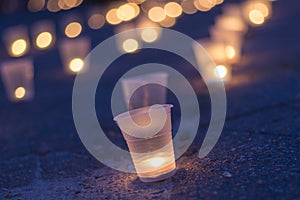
[(224, 46), (227, 35)]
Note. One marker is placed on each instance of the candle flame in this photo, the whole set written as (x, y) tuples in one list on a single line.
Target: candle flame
[(156, 162)]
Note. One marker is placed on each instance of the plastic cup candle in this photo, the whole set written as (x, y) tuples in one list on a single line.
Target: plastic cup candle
[(221, 70), (73, 53), (148, 134), (16, 40), (18, 79), (145, 90), (43, 34), (232, 41)]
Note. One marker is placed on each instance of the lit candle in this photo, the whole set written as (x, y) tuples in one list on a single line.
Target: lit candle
[(17, 76), (232, 41), (43, 34), (219, 69), (16, 40), (147, 132), (73, 53)]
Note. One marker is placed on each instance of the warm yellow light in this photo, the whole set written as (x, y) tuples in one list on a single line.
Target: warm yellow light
[(168, 22), (126, 12), (35, 5), (156, 162), (43, 40), (220, 71), (230, 52), (188, 7), (73, 29), (18, 47), (20, 92), (149, 35), (76, 65), (156, 14), (112, 18), (136, 9), (200, 6), (130, 45), (262, 8), (256, 17), (52, 6), (96, 21), (173, 9)]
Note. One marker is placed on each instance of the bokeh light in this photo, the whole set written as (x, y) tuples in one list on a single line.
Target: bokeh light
[(73, 29), (112, 18), (126, 12), (20, 92), (173, 9), (156, 14), (35, 5), (44, 40), (220, 71), (76, 65), (52, 6), (256, 17), (230, 52), (149, 35), (168, 22), (18, 47), (96, 21), (130, 45), (188, 7)]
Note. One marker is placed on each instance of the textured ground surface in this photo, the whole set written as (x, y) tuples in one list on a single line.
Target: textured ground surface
[(257, 156)]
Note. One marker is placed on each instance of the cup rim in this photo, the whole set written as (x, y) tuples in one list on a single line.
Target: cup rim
[(135, 111)]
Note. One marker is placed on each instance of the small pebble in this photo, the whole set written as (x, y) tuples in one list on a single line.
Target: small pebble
[(227, 174)]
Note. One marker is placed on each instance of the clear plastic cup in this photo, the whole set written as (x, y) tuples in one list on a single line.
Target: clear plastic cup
[(73, 53), (17, 76), (149, 139), (145, 90)]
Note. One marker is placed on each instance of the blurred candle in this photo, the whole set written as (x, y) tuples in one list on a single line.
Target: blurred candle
[(231, 23), (231, 39), (73, 53), (16, 40), (128, 42), (148, 134), (257, 11), (43, 33), (17, 76), (220, 70)]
